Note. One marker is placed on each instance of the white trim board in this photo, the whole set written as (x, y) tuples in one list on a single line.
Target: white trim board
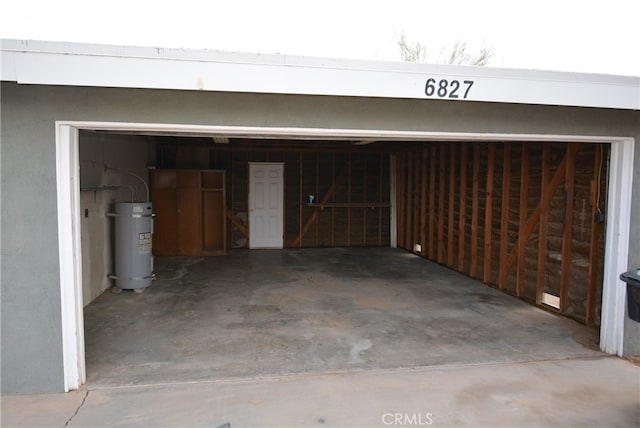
[(617, 247), (70, 253), (67, 167)]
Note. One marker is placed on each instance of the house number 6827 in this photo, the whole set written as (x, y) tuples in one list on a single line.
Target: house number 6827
[(444, 88)]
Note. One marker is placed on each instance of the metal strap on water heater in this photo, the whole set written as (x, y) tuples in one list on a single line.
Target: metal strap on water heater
[(134, 278), (131, 216)]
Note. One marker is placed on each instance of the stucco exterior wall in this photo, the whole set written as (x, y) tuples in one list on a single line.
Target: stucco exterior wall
[(31, 331)]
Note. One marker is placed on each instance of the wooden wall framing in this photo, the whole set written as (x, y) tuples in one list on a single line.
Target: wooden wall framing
[(524, 217)]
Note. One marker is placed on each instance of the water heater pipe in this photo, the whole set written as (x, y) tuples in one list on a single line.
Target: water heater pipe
[(146, 186)]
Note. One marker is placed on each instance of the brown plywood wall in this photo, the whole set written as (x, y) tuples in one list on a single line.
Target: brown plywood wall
[(523, 217)]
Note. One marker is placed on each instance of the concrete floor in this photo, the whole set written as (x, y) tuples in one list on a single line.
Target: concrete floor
[(273, 313), (332, 337)]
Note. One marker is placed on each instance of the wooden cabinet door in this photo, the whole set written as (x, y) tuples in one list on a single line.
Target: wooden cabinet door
[(189, 221), (190, 212), (165, 235)]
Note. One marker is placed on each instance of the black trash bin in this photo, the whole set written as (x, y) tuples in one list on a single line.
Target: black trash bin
[(632, 278)]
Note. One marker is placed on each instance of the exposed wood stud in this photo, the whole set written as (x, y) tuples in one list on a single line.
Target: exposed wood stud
[(440, 219), (524, 197), (409, 206), (317, 234), (400, 199), (452, 208), (488, 218), (596, 231), (423, 202), (232, 187), (544, 222), (233, 174), (475, 203), (333, 199), (284, 200), (463, 207), (301, 200), (364, 199), (349, 200), (417, 192), (568, 230), (380, 175), (432, 201), (504, 216)]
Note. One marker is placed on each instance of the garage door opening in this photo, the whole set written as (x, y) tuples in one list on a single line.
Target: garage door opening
[(395, 214)]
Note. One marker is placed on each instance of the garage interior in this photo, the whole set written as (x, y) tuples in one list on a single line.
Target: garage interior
[(494, 239)]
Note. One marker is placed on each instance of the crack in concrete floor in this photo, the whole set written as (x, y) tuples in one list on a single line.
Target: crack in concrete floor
[(84, 400)]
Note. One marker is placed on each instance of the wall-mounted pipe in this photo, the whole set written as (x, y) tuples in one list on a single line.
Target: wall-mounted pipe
[(146, 186)]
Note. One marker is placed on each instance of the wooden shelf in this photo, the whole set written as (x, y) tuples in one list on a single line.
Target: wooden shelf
[(371, 205)]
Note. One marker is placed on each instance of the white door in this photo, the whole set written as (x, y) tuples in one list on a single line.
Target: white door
[(266, 205)]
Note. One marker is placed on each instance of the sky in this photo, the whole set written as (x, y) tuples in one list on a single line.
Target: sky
[(566, 35)]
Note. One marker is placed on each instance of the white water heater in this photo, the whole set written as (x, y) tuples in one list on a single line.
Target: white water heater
[(134, 238)]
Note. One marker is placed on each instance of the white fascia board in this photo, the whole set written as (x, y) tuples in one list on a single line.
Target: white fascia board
[(8, 66), (48, 63)]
